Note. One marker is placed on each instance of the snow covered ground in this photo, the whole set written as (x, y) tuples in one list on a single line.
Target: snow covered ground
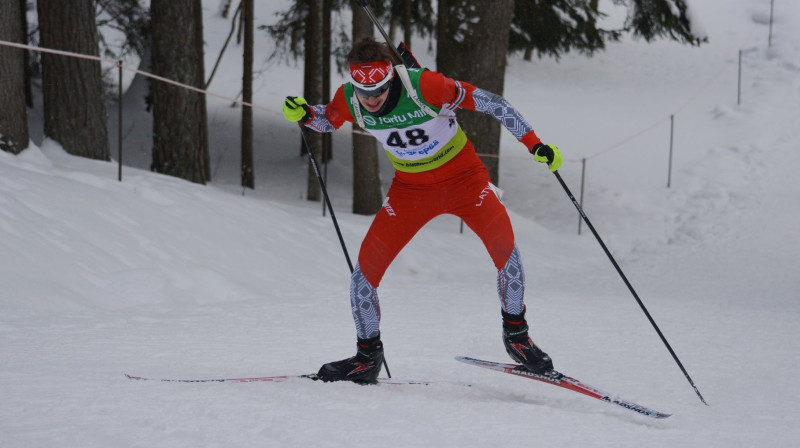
[(158, 277)]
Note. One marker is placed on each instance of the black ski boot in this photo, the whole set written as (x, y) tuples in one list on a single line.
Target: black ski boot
[(363, 368), (520, 347)]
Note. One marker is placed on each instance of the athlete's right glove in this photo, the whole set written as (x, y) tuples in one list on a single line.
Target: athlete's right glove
[(296, 108), (548, 154)]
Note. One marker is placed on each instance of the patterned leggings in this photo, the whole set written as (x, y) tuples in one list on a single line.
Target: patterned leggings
[(462, 188)]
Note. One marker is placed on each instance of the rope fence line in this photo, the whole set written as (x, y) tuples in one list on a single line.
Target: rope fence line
[(726, 65), (121, 65), (671, 118), (621, 142), (667, 118)]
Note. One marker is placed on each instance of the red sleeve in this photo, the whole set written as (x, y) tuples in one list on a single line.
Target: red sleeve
[(438, 89), (337, 111), (530, 139)]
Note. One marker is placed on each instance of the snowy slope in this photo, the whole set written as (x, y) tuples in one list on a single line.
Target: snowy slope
[(158, 277)]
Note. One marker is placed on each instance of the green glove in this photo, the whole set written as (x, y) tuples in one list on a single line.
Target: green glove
[(296, 108), (548, 154)]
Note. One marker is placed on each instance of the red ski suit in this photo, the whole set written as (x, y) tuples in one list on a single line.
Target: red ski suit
[(460, 187)]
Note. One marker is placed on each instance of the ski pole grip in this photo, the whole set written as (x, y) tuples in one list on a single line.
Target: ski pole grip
[(407, 57)]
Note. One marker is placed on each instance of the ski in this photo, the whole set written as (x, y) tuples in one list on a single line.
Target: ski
[(269, 379), (282, 378), (566, 382)]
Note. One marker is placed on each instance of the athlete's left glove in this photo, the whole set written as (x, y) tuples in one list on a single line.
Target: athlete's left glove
[(548, 154), (296, 108)]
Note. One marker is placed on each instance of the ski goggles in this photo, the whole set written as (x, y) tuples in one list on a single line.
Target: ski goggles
[(370, 79)]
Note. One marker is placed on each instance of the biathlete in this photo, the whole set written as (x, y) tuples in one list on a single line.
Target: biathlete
[(412, 113)]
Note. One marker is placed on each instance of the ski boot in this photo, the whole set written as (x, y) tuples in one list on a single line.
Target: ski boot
[(363, 368), (520, 347)]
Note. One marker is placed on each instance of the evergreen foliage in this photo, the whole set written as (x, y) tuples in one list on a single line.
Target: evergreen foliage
[(556, 27), (651, 19), (130, 18)]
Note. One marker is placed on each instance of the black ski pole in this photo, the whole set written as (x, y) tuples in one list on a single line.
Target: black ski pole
[(367, 9), (330, 209), (627, 283), (325, 193), (401, 52)]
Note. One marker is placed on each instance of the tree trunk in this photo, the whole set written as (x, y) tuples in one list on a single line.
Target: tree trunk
[(248, 180), (14, 117), (178, 118), (407, 31), (312, 89), (327, 138), (200, 42), (23, 6), (469, 49), (367, 195), (74, 101)]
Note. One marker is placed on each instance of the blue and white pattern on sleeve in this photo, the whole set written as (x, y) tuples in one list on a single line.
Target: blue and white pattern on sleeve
[(320, 122), (497, 106)]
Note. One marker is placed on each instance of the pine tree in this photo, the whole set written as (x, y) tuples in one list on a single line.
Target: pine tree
[(248, 175), (179, 125), (472, 46), (652, 19), (13, 121), (78, 125), (312, 87), (367, 195), (555, 27)]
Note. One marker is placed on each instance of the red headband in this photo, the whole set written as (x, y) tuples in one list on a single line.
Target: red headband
[(371, 75)]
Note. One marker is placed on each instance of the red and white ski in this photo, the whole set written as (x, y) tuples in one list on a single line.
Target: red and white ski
[(561, 380), (282, 378), (269, 379)]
